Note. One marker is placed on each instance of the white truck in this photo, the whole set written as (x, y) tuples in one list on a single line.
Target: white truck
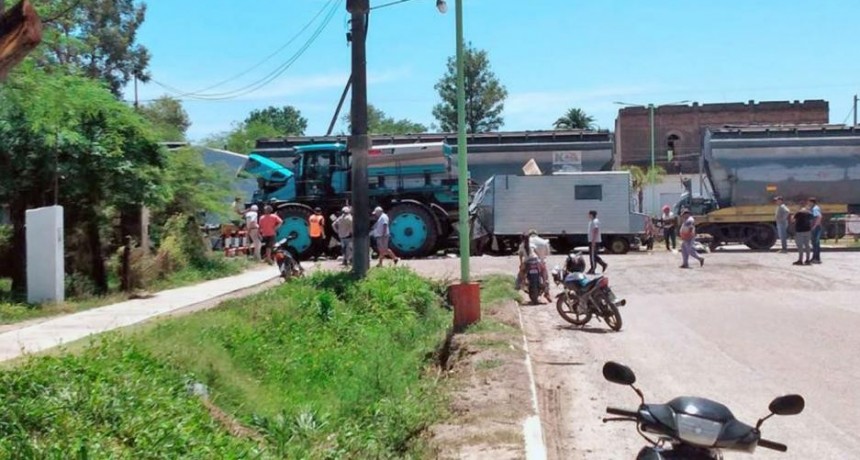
[(557, 207)]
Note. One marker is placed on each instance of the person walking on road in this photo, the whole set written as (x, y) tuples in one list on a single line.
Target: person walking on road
[(817, 230), (802, 229), (269, 224), (594, 242), (382, 233), (343, 226), (316, 230), (539, 247), (781, 217), (688, 235), (668, 221), (252, 227)]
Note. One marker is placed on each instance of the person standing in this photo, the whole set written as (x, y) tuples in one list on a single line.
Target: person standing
[(668, 221), (781, 217), (343, 226), (594, 241), (802, 229), (650, 234), (382, 232), (316, 230), (688, 235), (539, 247), (252, 227), (269, 224), (817, 230)]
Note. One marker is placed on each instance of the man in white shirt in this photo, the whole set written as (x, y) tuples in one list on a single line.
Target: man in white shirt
[(252, 227), (382, 233), (688, 236), (594, 241), (343, 226), (817, 229)]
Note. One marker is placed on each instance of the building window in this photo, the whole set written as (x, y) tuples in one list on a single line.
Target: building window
[(671, 141), (588, 192)]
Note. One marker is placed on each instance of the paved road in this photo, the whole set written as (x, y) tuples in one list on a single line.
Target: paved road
[(742, 330)]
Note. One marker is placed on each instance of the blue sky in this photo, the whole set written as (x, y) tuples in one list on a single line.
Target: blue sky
[(550, 54)]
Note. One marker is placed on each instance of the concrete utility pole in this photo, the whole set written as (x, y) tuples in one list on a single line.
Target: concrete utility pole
[(359, 141), (855, 110)]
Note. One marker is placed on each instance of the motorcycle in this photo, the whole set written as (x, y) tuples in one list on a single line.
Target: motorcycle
[(533, 282), (691, 427), (572, 264), (584, 297), (287, 259)]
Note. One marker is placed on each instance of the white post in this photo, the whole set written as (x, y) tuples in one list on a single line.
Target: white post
[(45, 266)]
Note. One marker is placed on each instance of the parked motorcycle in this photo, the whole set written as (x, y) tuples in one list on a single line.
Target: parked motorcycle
[(533, 282), (691, 427), (584, 297), (287, 259)]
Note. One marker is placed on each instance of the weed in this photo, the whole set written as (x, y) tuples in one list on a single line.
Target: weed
[(488, 364), (498, 288)]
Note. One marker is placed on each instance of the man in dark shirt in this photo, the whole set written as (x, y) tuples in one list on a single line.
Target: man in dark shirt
[(803, 235)]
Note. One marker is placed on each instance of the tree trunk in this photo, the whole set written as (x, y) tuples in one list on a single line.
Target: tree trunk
[(20, 33), (98, 271), (18, 262)]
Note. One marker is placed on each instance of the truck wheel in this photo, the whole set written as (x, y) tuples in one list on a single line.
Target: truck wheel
[(295, 219), (618, 245), (413, 230), (760, 237)]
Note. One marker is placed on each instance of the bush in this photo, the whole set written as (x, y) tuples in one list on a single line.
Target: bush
[(182, 245)]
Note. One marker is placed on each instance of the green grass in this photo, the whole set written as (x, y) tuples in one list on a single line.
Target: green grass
[(14, 311), (498, 288), (488, 364), (322, 367)]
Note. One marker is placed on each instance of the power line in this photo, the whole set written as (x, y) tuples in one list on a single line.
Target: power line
[(332, 7)]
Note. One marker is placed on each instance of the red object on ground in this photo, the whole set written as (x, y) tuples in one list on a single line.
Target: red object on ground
[(466, 299)]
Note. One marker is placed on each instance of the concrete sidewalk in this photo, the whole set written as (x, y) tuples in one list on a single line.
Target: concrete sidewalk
[(69, 328)]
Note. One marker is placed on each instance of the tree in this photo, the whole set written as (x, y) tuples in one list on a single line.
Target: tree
[(485, 95), (287, 120), (191, 187), (96, 38), (169, 119), (380, 123), (66, 139), (641, 177), (243, 137), (574, 118)]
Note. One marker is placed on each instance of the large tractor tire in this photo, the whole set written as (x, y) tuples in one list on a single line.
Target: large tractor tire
[(760, 237), (413, 230), (295, 219)]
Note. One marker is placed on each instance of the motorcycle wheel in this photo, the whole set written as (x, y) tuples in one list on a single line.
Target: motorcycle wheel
[(612, 316), (566, 307)]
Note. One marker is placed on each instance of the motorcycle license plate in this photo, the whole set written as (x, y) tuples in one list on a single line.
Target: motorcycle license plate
[(534, 271)]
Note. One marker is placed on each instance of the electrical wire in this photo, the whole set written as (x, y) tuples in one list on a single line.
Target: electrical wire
[(332, 5)]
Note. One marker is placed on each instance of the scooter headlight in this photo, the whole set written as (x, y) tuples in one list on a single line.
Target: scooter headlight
[(697, 430)]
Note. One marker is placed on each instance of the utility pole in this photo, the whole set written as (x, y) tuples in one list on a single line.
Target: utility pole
[(855, 110), (652, 171), (359, 142)]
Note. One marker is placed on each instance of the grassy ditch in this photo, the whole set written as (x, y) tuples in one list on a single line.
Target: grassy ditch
[(217, 266), (318, 368)]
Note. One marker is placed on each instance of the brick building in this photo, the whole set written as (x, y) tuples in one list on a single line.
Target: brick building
[(679, 128)]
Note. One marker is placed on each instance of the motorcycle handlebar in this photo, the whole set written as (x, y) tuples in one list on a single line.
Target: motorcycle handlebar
[(622, 412), (772, 445)]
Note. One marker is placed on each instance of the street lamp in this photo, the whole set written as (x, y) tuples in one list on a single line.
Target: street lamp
[(465, 296), (651, 108)]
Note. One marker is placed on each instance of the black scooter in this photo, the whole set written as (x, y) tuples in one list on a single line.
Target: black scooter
[(693, 428)]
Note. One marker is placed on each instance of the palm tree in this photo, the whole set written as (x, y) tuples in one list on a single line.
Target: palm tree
[(574, 118), (641, 177)]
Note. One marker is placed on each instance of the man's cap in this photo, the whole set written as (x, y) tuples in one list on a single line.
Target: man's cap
[(346, 209), (777, 198), (377, 210), (685, 211), (666, 207), (317, 210), (533, 232), (254, 207)]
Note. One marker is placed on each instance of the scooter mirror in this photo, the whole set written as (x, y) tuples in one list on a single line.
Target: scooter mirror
[(787, 405), (618, 373)]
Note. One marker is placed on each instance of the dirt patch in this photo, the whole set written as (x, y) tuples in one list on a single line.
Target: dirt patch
[(491, 397)]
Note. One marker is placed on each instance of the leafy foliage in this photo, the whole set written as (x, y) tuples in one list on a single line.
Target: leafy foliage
[(287, 120), (574, 118), (191, 187), (169, 119), (485, 95), (323, 367), (96, 38), (642, 177), (380, 123), (66, 139)]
